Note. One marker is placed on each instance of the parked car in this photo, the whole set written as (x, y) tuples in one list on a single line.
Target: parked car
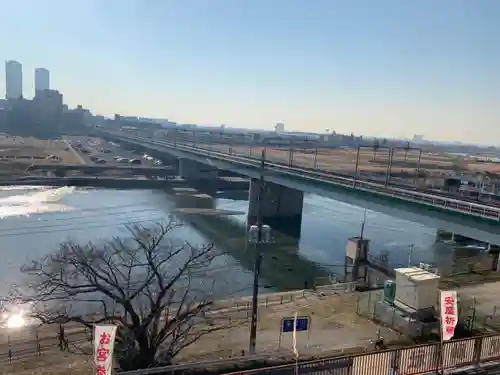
[(135, 161)]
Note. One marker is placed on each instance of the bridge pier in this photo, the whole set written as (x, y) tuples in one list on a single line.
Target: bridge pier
[(60, 173), (194, 171), (281, 207)]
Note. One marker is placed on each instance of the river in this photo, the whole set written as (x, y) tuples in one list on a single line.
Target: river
[(34, 221)]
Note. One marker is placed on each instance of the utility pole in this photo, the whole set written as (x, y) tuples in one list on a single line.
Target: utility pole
[(410, 254), (389, 166), (258, 257)]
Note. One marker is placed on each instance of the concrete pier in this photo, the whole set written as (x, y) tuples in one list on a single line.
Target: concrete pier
[(194, 171), (201, 176), (281, 207)]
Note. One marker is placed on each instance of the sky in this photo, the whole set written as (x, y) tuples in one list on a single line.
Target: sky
[(389, 68)]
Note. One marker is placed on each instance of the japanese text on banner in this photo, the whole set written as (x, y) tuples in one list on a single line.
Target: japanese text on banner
[(104, 340), (449, 314)]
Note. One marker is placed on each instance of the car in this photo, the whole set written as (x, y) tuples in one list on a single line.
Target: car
[(123, 160), (158, 162), (94, 158), (100, 161), (135, 161), (117, 157)]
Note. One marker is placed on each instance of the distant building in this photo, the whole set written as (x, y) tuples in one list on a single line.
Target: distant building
[(279, 127), (42, 79), (48, 110), (13, 80), (418, 138)]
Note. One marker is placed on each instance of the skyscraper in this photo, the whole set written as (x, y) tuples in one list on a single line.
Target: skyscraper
[(13, 80), (42, 79)]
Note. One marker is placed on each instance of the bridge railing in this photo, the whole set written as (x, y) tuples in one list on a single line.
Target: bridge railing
[(414, 360), (429, 199)]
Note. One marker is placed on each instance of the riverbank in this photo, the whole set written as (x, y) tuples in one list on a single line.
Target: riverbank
[(334, 326)]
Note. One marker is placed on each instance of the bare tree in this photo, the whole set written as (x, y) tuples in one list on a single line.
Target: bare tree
[(156, 290)]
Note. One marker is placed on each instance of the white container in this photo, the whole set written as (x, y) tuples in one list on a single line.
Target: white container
[(416, 288)]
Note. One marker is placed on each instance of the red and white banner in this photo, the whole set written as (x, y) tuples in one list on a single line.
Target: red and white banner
[(104, 342), (449, 314)]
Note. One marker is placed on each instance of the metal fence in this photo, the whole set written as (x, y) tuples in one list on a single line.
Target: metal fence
[(472, 316), (415, 360), (37, 342)]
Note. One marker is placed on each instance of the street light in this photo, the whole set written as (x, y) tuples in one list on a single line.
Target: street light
[(257, 235)]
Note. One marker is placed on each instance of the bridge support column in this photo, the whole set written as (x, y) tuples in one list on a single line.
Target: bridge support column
[(60, 173), (192, 170), (281, 207)]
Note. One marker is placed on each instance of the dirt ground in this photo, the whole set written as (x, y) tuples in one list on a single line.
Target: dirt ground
[(334, 326), (344, 160), (31, 150), (487, 297)]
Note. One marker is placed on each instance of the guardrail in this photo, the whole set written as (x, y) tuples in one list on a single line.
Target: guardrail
[(427, 199), (416, 360)]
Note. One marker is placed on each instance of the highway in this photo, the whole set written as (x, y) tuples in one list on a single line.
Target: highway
[(98, 149)]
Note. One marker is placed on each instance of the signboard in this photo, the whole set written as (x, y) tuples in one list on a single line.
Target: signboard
[(294, 324), (104, 342), (301, 324), (449, 314)]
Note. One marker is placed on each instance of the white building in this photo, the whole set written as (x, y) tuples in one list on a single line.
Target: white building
[(279, 127), (42, 79), (13, 80)]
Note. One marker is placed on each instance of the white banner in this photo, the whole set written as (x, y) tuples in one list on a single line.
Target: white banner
[(449, 314), (104, 342)]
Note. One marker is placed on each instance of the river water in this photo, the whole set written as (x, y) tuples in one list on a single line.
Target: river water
[(34, 221)]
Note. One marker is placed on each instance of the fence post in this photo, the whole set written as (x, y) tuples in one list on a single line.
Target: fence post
[(38, 348), (473, 313), (478, 348), (10, 348)]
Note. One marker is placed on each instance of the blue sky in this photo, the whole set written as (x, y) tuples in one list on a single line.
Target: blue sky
[(385, 67)]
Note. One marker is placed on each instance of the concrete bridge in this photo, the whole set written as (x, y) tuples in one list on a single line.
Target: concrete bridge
[(229, 188), (285, 187), (61, 170)]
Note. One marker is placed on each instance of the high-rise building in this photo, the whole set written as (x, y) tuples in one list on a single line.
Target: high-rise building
[(13, 80), (42, 79)]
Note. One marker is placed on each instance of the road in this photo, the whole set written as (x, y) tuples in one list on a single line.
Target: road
[(96, 147)]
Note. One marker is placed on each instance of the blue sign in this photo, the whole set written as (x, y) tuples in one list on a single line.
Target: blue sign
[(302, 324)]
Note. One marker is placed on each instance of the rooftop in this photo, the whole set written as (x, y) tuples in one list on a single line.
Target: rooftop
[(417, 274)]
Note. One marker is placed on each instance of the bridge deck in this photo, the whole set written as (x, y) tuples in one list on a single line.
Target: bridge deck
[(428, 208)]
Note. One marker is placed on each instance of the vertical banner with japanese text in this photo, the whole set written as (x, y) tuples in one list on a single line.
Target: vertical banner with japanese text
[(104, 341), (449, 314)]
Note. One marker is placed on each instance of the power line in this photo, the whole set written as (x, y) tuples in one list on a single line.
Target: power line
[(79, 228), (76, 218)]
